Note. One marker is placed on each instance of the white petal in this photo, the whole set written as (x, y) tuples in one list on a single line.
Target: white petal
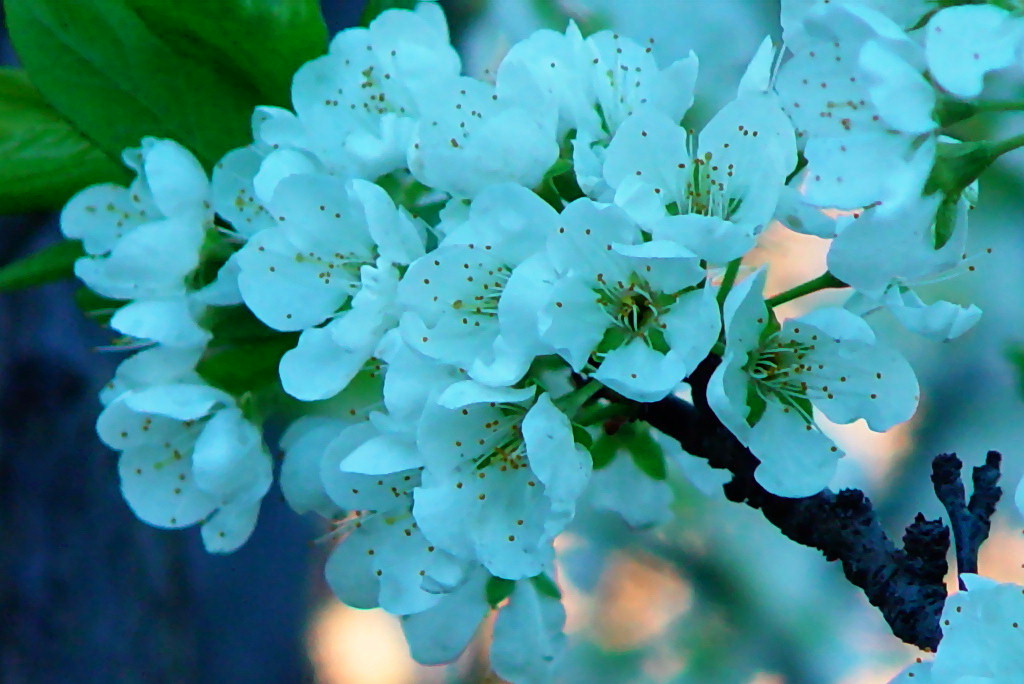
[(964, 43), (277, 166), (563, 466), (100, 215), (230, 527), (640, 373), (175, 177), (304, 444), (166, 321), (573, 322), (229, 459), (757, 77), (796, 458), (940, 321), (158, 485), (383, 455), (350, 574), (439, 634), (528, 635), (468, 392), (648, 146), (318, 368), (900, 93), (709, 237), (179, 401), (692, 325), (234, 197)]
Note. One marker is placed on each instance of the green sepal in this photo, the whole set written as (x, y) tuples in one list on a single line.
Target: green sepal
[(957, 165), (546, 586), (756, 404), (45, 159), (49, 264), (497, 590), (376, 7), (945, 221)]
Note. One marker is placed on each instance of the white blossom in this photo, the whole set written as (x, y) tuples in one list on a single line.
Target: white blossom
[(767, 383)]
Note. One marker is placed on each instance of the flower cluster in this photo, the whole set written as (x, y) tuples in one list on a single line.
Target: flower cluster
[(446, 284)]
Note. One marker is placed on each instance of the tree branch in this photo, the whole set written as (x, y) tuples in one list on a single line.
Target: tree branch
[(970, 521), (905, 584)]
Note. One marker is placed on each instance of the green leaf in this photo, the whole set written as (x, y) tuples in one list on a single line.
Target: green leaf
[(45, 160), (116, 78), (498, 589), (604, 450), (259, 42), (376, 7), (647, 454), (245, 353), (246, 366), (55, 262)]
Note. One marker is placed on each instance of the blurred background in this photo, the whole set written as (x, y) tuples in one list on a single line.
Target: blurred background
[(88, 593)]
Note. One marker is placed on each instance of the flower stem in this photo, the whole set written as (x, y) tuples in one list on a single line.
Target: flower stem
[(598, 413), (999, 106), (572, 402), (1001, 147), (728, 279), (823, 282)]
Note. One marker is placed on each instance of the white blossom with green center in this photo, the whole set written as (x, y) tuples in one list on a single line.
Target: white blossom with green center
[(466, 303), (769, 380), (501, 478), (631, 311), (711, 196)]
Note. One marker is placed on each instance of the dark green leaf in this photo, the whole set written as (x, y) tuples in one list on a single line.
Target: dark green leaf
[(48, 264), (45, 160), (646, 452), (603, 451), (259, 42), (246, 366), (498, 590), (117, 79), (581, 436), (376, 7)]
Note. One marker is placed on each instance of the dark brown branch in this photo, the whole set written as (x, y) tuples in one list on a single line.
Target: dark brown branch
[(905, 584), (970, 521)]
